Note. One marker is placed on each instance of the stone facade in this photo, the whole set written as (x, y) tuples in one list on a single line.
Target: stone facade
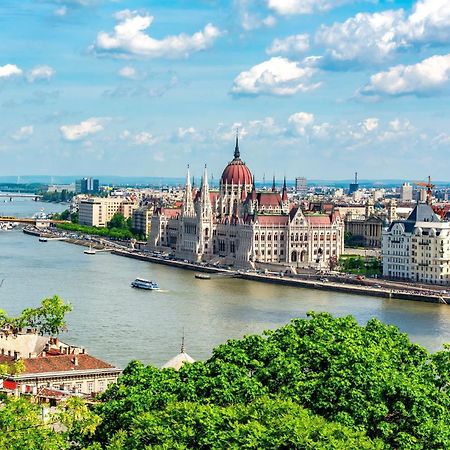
[(239, 226), (418, 249)]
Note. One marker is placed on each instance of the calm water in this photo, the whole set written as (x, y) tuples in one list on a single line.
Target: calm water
[(118, 323)]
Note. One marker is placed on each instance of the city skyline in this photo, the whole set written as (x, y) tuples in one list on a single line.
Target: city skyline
[(317, 88)]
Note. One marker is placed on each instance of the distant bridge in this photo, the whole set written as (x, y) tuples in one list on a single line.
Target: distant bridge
[(20, 195), (28, 220)]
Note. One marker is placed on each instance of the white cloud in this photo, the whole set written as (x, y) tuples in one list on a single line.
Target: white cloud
[(129, 38), (373, 38), (23, 133), (77, 132), (300, 121), (144, 138), (298, 43), (43, 72), (424, 78), (365, 37), (290, 7), (10, 70), (250, 17), (128, 72), (277, 76), (370, 124)]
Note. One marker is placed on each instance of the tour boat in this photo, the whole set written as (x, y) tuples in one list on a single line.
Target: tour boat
[(91, 251), (140, 283), (202, 276)]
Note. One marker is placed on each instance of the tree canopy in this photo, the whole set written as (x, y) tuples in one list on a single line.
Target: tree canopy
[(369, 379), (49, 318)]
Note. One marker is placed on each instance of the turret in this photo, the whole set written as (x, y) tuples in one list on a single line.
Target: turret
[(188, 204)]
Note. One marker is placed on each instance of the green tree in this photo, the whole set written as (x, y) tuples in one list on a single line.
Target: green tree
[(368, 378), (118, 221), (49, 318)]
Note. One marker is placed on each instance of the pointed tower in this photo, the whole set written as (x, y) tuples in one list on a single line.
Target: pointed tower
[(188, 204), (206, 209), (273, 184), (284, 198)]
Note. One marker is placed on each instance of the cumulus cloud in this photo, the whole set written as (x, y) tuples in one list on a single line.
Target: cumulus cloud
[(300, 121), (23, 133), (250, 17), (292, 45), (291, 7), (77, 132), (277, 76), (129, 39), (128, 72), (376, 37), (424, 78), (43, 72), (365, 37), (370, 124), (10, 70)]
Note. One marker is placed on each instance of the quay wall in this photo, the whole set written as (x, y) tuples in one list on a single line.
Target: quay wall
[(287, 281)]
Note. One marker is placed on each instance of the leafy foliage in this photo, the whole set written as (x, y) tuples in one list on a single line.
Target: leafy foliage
[(22, 427), (49, 318), (370, 379)]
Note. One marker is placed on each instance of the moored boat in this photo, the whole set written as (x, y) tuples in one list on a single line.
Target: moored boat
[(43, 239), (91, 251), (202, 276), (141, 283)]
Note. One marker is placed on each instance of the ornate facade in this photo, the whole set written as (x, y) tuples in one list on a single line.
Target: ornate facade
[(237, 225)]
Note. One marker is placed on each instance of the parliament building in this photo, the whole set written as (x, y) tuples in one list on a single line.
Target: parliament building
[(241, 226)]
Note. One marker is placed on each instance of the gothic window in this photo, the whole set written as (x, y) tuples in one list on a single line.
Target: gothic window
[(282, 237), (275, 237), (269, 237), (256, 237)]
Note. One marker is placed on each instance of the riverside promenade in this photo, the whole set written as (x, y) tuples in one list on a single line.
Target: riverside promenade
[(385, 289)]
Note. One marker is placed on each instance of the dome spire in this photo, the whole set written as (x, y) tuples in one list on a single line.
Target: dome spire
[(237, 153)]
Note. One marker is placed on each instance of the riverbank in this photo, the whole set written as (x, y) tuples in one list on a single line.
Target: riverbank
[(350, 286)]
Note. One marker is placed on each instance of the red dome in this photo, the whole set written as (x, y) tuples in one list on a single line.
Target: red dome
[(237, 173)]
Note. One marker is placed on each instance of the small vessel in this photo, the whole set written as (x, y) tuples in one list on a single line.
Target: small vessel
[(202, 276), (43, 239), (91, 251), (140, 283)]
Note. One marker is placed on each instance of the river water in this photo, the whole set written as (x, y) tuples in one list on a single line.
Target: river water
[(118, 323)]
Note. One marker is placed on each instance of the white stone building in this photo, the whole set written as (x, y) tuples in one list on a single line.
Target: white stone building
[(418, 249), (239, 226)]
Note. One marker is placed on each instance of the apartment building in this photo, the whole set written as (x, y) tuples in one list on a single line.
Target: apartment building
[(98, 211)]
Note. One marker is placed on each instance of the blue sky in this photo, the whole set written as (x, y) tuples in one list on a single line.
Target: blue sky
[(318, 88)]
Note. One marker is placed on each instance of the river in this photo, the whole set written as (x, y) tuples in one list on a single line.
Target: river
[(118, 323)]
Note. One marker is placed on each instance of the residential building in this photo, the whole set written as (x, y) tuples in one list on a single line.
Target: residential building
[(142, 219), (301, 185), (418, 249), (52, 369), (98, 211), (406, 193)]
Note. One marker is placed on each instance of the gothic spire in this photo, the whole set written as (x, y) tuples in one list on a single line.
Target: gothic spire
[(284, 196), (273, 184), (237, 153), (206, 200), (188, 205)]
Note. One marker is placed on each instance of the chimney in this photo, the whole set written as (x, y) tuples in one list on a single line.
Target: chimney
[(44, 354), (16, 356), (61, 349), (75, 360)]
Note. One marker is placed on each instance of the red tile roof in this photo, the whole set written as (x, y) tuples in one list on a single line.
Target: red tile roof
[(269, 198), (63, 363), (172, 213), (272, 220), (319, 220)]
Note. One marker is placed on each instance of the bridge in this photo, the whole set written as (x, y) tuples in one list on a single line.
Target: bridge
[(28, 220), (12, 195)]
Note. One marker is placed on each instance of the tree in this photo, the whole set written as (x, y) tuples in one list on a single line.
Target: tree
[(368, 378), (49, 318), (118, 221)]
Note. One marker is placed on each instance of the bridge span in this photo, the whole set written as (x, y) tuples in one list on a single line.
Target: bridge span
[(12, 195), (28, 220)]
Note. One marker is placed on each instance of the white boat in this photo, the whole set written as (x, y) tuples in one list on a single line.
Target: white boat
[(91, 251), (140, 283), (43, 239)]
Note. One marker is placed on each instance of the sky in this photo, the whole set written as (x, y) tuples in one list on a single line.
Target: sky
[(316, 88)]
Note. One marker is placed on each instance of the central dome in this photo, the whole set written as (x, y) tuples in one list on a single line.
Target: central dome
[(236, 172)]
